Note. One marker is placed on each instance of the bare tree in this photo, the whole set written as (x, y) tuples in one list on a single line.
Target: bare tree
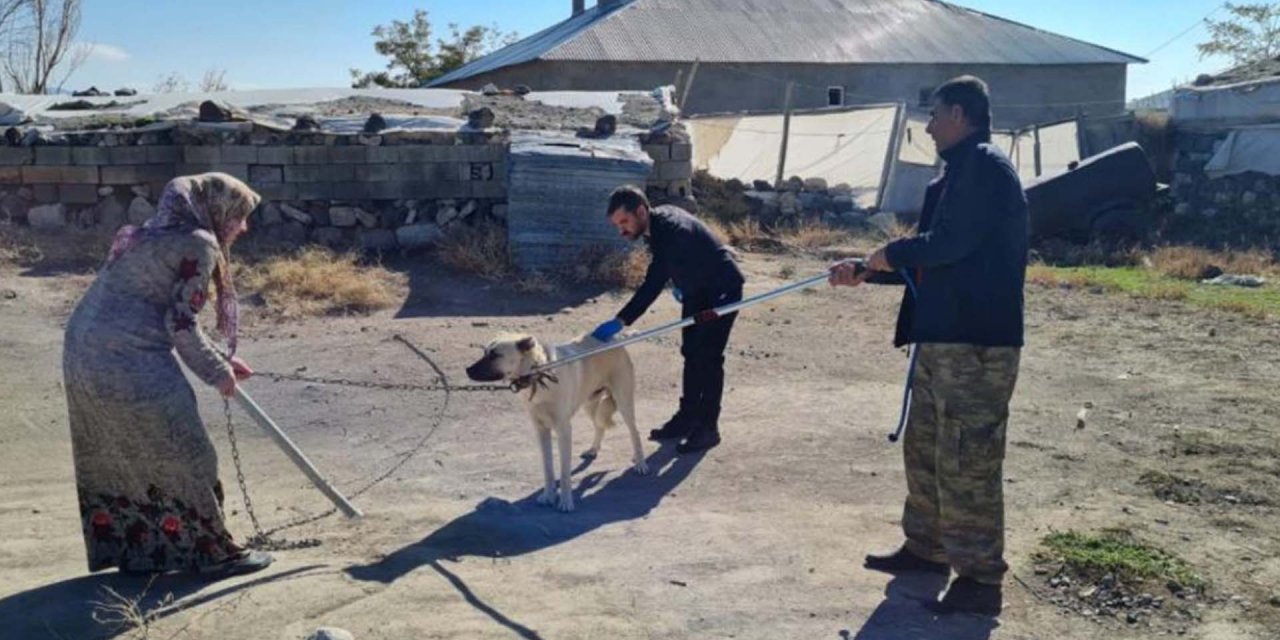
[(172, 83), (214, 80), (8, 12), (41, 44)]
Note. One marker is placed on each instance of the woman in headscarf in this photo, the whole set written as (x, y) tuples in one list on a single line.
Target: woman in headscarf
[(146, 471)]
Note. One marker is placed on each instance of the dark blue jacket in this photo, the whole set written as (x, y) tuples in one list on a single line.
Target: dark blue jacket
[(969, 256), (686, 253)]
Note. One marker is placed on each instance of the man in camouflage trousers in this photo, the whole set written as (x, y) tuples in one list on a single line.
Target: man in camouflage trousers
[(967, 263)]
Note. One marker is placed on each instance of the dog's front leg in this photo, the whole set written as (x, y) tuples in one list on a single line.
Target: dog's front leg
[(548, 470), (564, 433)]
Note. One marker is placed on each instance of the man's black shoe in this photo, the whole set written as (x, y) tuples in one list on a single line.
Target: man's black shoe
[(676, 428), (902, 561), (967, 595), (699, 440)]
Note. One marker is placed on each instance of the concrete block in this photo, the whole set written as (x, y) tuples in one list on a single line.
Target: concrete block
[(277, 191), (320, 173), (202, 155), (52, 216), (395, 172), (385, 155), (495, 190), (83, 156), (44, 193), (127, 155), (41, 175), (16, 156), (81, 175), (161, 154), (78, 193), (312, 190), (425, 153), (137, 174), (53, 155), (348, 155), (484, 152), (310, 155), (261, 173), (676, 170), (10, 175), (275, 155), (239, 154), (659, 152), (681, 151), (240, 171), (349, 190)]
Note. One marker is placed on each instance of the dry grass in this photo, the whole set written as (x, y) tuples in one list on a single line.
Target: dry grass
[(317, 281), (1194, 263), (480, 250), (747, 235), (67, 250), (811, 236)]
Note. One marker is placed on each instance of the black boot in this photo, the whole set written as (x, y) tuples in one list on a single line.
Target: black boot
[(902, 561), (679, 426), (967, 595), (701, 439)]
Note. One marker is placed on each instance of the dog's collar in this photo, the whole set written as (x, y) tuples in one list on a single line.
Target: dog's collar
[(532, 381)]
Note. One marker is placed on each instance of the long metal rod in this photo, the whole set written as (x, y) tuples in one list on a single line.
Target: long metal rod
[(691, 320), (295, 454)]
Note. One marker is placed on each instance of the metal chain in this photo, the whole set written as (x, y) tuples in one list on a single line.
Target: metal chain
[(384, 386), (260, 539), (263, 539)]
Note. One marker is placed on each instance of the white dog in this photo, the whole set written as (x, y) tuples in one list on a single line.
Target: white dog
[(604, 383)]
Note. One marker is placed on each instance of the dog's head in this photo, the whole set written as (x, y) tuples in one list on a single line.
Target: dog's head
[(506, 358)]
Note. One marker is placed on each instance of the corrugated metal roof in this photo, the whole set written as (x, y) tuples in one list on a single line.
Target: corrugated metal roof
[(794, 31)]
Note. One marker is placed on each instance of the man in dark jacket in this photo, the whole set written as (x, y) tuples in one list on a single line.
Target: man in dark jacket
[(705, 276), (968, 264)]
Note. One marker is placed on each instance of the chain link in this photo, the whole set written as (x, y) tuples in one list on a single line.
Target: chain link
[(383, 386), (261, 539)]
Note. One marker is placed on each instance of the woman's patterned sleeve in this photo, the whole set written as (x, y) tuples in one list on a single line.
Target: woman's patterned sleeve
[(190, 291)]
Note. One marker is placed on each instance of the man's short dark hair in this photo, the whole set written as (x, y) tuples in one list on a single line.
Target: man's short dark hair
[(970, 93), (629, 198)]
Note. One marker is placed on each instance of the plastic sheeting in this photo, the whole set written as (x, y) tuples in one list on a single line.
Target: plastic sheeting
[(1247, 149), (559, 186), (846, 146)]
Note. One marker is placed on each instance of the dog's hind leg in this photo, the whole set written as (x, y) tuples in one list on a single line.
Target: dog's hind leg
[(548, 495), (601, 408), (622, 389)]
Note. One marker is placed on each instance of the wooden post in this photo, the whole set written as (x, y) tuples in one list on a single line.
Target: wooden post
[(1082, 140), (891, 154), (1039, 164), (786, 133), (688, 84)]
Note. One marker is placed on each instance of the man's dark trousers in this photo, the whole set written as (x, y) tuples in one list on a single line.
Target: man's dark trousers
[(703, 348)]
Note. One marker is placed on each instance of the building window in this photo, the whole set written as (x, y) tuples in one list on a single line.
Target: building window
[(835, 96)]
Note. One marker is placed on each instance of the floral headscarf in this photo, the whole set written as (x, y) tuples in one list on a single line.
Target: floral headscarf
[(215, 202)]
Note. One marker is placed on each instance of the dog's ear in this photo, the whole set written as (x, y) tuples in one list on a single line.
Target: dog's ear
[(525, 345)]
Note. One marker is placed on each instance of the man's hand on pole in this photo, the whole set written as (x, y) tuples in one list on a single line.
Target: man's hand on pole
[(849, 273)]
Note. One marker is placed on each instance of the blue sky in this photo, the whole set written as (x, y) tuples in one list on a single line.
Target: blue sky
[(312, 43)]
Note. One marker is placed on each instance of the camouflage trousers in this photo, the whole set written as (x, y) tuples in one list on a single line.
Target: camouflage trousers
[(954, 452)]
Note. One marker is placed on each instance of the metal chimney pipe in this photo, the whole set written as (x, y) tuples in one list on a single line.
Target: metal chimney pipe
[(579, 6)]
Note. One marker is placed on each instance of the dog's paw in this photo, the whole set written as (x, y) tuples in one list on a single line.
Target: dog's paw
[(641, 468), (590, 454), (547, 497), (566, 503)]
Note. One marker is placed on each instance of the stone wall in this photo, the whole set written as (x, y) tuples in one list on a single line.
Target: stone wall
[(367, 191), (1243, 210)]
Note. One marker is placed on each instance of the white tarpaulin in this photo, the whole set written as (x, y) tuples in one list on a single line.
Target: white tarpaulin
[(1059, 147), (1247, 149), (840, 146)]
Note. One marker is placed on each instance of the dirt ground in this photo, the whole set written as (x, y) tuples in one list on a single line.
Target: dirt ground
[(760, 538)]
